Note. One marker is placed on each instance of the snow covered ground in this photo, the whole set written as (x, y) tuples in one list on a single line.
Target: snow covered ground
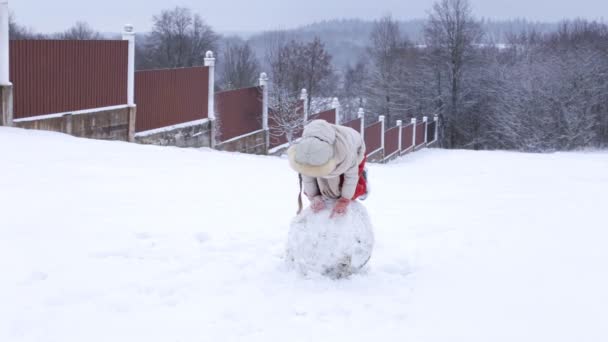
[(109, 241)]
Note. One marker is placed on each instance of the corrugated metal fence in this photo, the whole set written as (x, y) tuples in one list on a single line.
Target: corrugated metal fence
[(391, 141), (328, 115), (167, 97), (56, 76), (407, 137), (420, 130), (239, 112), (373, 138), (354, 124)]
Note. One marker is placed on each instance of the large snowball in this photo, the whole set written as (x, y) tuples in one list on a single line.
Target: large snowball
[(335, 247)]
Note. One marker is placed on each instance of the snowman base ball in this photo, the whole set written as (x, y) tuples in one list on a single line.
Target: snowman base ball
[(334, 247)]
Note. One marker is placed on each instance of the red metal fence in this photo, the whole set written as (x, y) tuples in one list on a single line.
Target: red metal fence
[(430, 131), (354, 124), (420, 129), (373, 137), (407, 136), (328, 115), (170, 96), (391, 141), (239, 112), (56, 76)]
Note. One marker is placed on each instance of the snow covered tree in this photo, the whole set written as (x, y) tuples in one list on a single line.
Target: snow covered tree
[(386, 71), (316, 67), (298, 65), (286, 114), (179, 38), (450, 34), (238, 66), (352, 92), (17, 31), (80, 31)]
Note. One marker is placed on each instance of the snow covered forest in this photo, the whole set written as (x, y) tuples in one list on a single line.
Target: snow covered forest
[(511, 85)]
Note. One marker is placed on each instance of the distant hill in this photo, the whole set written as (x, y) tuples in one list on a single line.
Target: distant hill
[(347, 39)]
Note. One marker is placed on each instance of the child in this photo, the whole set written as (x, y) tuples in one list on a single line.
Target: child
[(330, 160)]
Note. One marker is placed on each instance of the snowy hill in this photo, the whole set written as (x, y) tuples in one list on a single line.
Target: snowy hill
[(109, 241)]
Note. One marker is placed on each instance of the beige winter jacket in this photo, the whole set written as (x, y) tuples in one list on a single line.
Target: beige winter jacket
[(349, 151)]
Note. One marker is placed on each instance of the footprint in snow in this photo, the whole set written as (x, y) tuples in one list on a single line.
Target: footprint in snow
[(201, 237)]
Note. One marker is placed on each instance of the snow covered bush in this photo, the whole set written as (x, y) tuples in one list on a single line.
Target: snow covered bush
[(335, 247)]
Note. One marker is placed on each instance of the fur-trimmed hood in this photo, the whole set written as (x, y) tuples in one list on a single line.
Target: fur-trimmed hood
[(322, 170), (314, 154), (326, 150)]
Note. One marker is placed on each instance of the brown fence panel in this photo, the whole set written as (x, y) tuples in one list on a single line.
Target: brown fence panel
[(420, 128), (373, 137), (328, 115), (407, 136), (391, 141), (239, 112), (168, 97), (354, 124), (56, 76), (430, 131)]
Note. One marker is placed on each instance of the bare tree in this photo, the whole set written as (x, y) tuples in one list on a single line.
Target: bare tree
[(553, 95), (316, 67), (352, 94), (451, 33), (238, 66), (286, 114), (17, 31), (179, 38), (80, 31), (385, 71), (295, 65)]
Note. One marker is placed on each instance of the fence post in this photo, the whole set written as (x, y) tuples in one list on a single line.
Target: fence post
[(413, 134), (129, 35), (425, 119), (6, 88), (361, 116), (400, 125), (335, 104), (436, 119), (4, 55), (264, 86), (210, 63), (304, 99), (381, 119)]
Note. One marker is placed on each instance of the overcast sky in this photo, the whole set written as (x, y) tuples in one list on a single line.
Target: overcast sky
[(252, 15)]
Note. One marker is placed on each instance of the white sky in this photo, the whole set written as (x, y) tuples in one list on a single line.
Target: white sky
[(251, 15)]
